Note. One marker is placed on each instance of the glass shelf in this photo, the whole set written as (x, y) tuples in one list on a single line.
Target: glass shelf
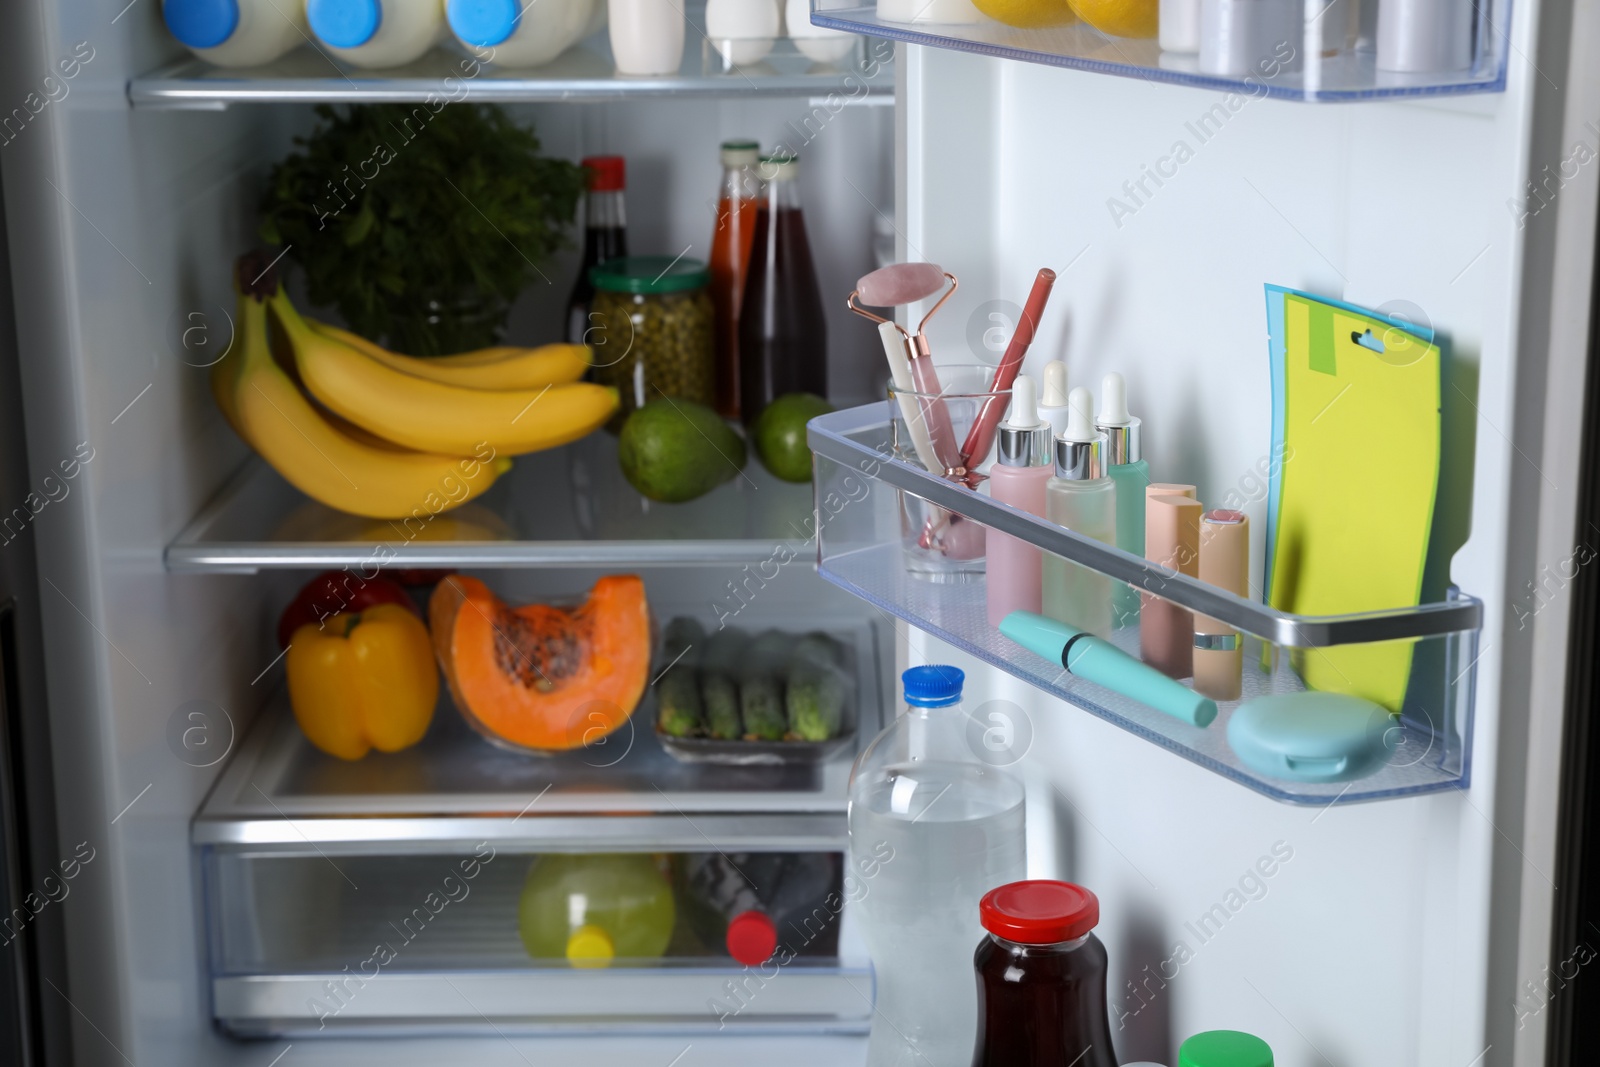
[(864, 493), (583, 72), (281, 793), (1352, 75), (568, 507)]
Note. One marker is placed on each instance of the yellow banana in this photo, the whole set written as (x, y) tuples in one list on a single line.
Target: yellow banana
[(432, 416), (277, 420), (500, 367)]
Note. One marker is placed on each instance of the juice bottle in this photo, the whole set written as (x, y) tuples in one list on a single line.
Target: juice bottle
[(747, 903), (932, 829), (737, 205), (591, 909), (783, 335), (1041, 979), (605, 236)]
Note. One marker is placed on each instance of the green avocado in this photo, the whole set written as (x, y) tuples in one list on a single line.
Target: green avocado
[(675, 450), (780, 434)]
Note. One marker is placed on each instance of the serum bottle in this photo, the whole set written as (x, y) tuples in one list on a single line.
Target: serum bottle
[(1126, 466), (1082, 498), (1022, 468)]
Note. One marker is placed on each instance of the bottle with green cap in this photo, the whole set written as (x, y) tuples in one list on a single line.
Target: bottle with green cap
[(1224, 1048), (652, 330)]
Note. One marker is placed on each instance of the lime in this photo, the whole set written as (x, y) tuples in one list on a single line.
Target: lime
[(780, 434), (675, 450), (1028, 14)]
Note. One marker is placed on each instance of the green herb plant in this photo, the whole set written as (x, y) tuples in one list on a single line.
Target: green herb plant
[(420, 226)]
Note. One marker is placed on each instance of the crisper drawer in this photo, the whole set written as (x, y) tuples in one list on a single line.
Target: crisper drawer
[(490, 938)]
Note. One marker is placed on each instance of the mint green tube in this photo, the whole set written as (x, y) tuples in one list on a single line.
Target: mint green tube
[(1103, 663)]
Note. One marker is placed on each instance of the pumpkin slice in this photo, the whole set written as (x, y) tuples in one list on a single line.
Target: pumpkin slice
[(539, 677)]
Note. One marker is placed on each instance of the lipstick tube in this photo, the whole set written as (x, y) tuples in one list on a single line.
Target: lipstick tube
[(1224, 563), (1171, 541)]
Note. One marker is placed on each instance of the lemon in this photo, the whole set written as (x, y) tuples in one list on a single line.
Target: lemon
[(1119, 18), (1028, 14)]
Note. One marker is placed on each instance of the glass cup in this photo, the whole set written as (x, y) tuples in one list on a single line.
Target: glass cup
[(928, 430)]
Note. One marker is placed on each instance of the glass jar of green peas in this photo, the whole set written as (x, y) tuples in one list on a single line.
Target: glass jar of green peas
[(651, 328)]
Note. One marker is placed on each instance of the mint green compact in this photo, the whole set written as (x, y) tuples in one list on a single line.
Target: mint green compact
[(1225, 1048), (1313, 737)]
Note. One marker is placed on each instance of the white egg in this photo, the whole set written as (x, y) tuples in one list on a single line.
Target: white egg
[(817, 43), (742, 30)]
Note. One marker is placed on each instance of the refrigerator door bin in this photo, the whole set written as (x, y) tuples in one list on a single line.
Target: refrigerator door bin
[(322, 941), (1291, 71), (1423, 656)]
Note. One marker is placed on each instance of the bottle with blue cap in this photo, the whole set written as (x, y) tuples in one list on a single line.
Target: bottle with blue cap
[(376, 33), (936, 821), (236, 33), (522, 33)]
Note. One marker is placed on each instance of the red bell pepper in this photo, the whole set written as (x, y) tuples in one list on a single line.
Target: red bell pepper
[(334, 592)]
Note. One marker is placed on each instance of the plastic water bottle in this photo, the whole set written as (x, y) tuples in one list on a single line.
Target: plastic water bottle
[(376, 33), (514, 33), (236, 33), (932, 829), (592, 909)]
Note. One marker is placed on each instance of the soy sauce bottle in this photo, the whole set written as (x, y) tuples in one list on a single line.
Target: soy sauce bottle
[(605, 236), (1041, 979), (783, 335)]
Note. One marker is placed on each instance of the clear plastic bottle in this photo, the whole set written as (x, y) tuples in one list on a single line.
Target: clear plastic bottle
[(932, 829), (236, 33), (593, 908), (1126, 466), (1084, 500), (376, 33)]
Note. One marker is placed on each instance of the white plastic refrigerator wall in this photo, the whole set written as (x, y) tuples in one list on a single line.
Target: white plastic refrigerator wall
[(1394, 933)]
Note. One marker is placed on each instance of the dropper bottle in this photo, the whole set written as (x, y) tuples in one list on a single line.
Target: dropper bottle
[(1084, 500), (1053, 401), (1126, 466), (1023, 465)]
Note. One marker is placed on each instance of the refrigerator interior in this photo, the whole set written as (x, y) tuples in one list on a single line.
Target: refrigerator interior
[(141, 212), (1370, 943)]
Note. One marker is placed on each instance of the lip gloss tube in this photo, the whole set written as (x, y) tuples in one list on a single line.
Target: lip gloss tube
[(1172, 541), (1224, 563)]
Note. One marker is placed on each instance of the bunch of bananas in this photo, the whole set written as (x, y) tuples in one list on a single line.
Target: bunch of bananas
[(390, 436)]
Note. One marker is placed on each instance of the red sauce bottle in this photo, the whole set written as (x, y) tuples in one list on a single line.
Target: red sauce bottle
[(1041, 979), (783, 331), (730, 259)]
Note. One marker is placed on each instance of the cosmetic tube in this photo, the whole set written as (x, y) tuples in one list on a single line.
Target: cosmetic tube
[(1172, 543), (1104, 664), (1023, 465), (1224, 563)]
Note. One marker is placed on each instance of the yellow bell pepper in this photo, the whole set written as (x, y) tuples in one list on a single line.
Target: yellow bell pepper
[(363, 680)]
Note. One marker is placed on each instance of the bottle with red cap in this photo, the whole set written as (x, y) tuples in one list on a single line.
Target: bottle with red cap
[(1041, 979), (605, 236), (747, 903)]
